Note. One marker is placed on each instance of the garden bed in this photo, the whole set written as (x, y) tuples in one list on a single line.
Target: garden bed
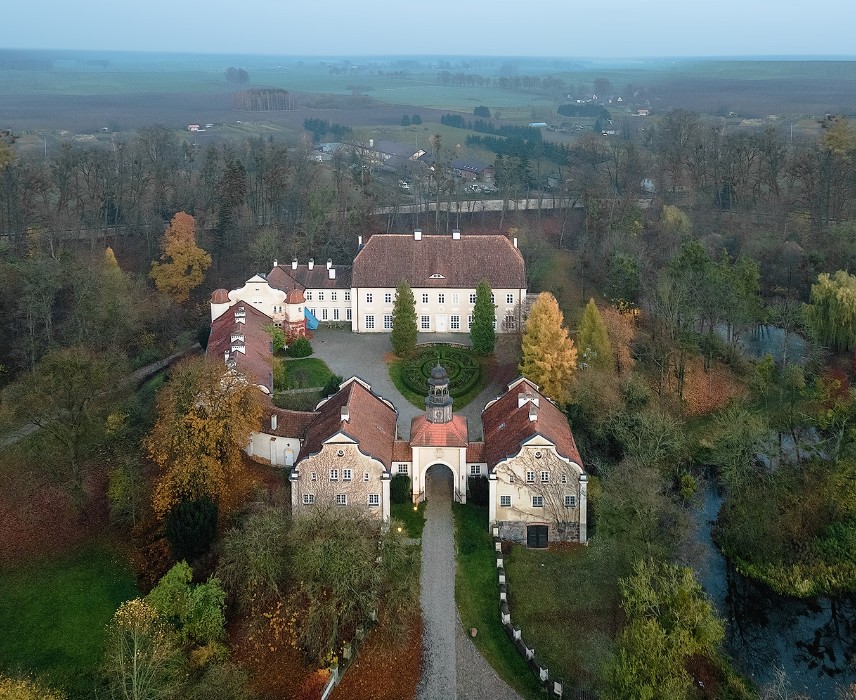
[(467, 373)]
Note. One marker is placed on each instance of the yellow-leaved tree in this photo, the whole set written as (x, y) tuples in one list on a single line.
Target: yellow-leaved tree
[(205, 416), (549, 356), (183, 263)]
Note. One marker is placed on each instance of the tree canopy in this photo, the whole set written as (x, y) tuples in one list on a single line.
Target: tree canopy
[(404, 331), (205, 416), (183, 263), (593, 340), (832, 312), (482, 332), (549, 356)]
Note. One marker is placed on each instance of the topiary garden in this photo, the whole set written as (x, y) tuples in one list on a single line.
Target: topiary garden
[(462, 367)]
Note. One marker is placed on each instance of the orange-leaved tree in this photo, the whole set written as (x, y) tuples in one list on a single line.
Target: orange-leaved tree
[(183, 263), (205, 416), (549, 356)]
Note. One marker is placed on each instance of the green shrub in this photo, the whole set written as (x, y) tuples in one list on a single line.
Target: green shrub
[(400, 489), (332, 385), (462, 368), (299, 347), (190, 528)]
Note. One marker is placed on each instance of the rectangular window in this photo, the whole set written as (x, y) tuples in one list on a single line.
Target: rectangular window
[(456, 298), (347, 296), (472, 298), (308, 295), (510, 323), (323, 314), (314, 476), (441, 298), (530, 477), (425, 323), (314, 311), (505, 501), (455, 323), (509, 298), (537, 501), (369, 298), (387, 298), (564, 478), (493, 298), (348, 314), (374, 499), (335, 314), (387, 322), (334, 475), (494, 323), (308, 499), (341, 499), (334, 296), (424, 298), (370, 322), (570, 501), (469, 322), (365, 476), (545, 477), (402, 469), (346, 475), (320, 296), (511, 478), (475, 470)]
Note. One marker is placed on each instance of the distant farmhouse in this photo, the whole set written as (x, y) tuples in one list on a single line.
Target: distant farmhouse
[(347, 450)]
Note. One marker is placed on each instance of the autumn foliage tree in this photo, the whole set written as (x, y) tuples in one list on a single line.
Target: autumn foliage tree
[(549, 356), (205, 416), (183, 263)]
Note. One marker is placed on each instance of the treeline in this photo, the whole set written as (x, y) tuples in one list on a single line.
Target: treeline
[(589, 111), (321, 128), (532, 148), (264, 100)]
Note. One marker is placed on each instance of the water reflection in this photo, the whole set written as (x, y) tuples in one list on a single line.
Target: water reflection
[(813, 641)]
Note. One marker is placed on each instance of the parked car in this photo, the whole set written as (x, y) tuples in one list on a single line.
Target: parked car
[(472, 187), (489, 189), (404, 185)]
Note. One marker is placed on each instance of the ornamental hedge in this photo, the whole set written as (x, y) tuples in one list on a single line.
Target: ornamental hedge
[(459, 362)]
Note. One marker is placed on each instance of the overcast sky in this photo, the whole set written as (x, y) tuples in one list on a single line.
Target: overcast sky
[(576, 28)]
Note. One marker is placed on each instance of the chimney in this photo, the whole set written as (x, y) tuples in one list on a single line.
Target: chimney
[(226, 356), (329, 263), (294, 263), (359, 241), (533, 412), (275, 263), (331, 273), (456, 234), (273, 421), (417, 234), (345, 413), (311, 263), (371, 143), (515, 241)]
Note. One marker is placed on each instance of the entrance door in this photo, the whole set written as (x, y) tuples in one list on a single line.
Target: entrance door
[(441, 323), (536, 536)]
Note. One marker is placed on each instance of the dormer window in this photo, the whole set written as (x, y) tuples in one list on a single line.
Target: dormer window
[(437, 276), (237, 337)]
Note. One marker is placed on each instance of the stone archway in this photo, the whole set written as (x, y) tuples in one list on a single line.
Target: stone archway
[(439, 482)]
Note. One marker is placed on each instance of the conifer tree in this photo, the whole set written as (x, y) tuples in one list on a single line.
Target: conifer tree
[(593, 340), (549, 356), (403, 335), (482, 333)]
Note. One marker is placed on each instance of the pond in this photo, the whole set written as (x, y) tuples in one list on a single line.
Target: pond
[(813, 641), (770, 340)]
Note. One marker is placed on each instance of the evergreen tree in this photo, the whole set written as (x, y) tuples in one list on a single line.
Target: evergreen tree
[(482, 332), (403, 336), (549, 356), (593, 340)]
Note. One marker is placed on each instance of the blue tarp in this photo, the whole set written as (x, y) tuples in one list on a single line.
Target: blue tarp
[(311, 321)]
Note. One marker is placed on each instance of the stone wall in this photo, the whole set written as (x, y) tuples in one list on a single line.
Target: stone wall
[(515, 531)]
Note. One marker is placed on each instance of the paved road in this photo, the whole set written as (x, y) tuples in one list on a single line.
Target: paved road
[(437, 595)]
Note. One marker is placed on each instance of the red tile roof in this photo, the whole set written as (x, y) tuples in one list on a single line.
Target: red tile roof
[(475, 452), (401, 451), (255, 361), (284, 278), (220, 296), (506, 426), (371, 422), (289, 423), (386, 259), (423, 433)]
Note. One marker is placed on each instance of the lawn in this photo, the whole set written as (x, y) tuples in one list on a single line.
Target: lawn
[(464, 383), (563, 609), (54, 615), (477, 596), (413, 517), (306, 372)]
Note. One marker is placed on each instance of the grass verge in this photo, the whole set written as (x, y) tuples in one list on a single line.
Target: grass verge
[(412, 517), (55, 613), (477, 596)]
